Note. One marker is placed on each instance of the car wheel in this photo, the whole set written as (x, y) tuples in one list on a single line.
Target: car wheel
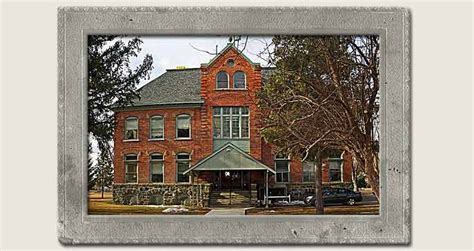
[(351, 202)]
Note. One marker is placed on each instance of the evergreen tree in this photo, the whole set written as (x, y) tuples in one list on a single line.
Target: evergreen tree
[(92, 172), (104, 175), (112, 81)]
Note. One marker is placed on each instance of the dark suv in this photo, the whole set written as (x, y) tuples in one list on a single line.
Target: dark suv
[(336, 195)]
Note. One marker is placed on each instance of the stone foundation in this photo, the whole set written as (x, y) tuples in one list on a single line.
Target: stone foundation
[(299, 191), (196, 195)]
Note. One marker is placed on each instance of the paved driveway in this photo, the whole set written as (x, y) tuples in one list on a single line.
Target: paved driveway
[(227, 211)]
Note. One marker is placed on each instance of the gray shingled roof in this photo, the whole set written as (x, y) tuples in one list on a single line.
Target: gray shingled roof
[(172, 87), (181, 86)]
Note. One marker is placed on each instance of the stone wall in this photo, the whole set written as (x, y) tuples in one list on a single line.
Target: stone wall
[(196, 195), (299, 191)]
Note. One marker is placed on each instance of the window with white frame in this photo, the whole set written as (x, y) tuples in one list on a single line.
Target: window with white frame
[(282, 168), (131, 168), (183, 161), (156, 168), (239, 80), (222, 80), (131, 128), (308, 171), (335, 169), (157, 127), (231, 122), (183, 126)]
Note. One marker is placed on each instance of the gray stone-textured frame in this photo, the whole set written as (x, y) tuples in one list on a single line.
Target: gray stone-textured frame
[(392, 226)]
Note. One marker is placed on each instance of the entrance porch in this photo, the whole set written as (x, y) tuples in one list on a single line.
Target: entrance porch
[(234, 172)]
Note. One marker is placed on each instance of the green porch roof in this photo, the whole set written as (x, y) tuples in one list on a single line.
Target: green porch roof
[(229, 157)]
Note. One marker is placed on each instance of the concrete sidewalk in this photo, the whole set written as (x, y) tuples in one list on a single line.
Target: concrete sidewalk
[(227, 211)]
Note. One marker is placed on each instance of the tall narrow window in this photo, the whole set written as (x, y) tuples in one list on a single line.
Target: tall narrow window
[(335, 169), (183, 126), (131, 168), (244, 122), (308, 171), (235, 122), (239, 80), (282, 168), (131, 128), (222, 80), (183, 161), (157, 127), (230, 122), (156, 168), (216, 122)]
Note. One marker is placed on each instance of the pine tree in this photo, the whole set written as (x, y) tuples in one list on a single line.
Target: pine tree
[(111, 83), (104, 175)]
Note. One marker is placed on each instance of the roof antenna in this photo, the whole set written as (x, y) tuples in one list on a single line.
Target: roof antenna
[(216, 49)]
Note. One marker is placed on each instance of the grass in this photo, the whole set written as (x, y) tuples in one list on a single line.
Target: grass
[(105, 206), (330, 210)]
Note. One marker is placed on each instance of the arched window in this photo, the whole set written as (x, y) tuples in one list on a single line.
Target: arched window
[(239, 80), (131, 128), (183, 126), (131, 168), (222, 80), (157, 127), (183, 161), (156, 168)]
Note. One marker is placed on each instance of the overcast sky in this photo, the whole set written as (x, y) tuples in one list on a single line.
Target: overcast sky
[(170, 52)]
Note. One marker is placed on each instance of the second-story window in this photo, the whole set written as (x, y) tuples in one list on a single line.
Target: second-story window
[(183, 126), (131, 128), (239, 80), (230, 122), (156, 127), (222, 80)]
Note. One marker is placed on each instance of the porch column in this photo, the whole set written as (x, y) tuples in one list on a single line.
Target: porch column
[(266, 189)]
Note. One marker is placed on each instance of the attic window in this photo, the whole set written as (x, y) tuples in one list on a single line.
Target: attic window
[(230, 63)]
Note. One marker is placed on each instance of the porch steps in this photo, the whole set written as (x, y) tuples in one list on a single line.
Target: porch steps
[(240, 198)]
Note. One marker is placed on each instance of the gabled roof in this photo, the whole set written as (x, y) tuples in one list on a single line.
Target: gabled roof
[(229, 157), (223, 51), (181, 86)]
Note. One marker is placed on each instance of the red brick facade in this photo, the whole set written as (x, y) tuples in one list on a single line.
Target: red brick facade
[(201, 143)]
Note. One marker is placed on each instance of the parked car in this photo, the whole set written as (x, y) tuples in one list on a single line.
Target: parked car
[(336, 195)]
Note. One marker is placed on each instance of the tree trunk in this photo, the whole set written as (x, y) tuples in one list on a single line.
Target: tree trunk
[(318, 188), (354, 174), (102, 185), (371, 170), (369, 161)]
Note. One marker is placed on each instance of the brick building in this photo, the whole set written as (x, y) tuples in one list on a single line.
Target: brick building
[(202, 125)]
